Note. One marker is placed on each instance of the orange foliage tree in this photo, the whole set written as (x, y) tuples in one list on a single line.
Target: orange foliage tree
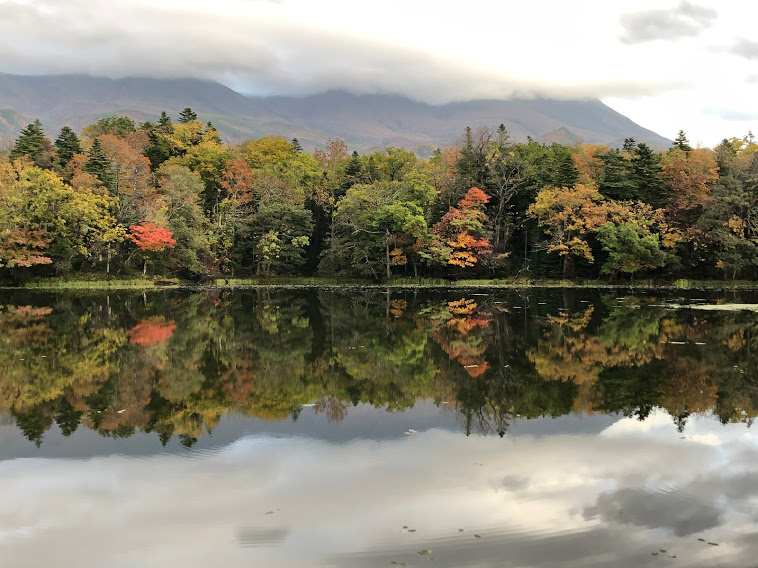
[(150, 237), (459, 237)]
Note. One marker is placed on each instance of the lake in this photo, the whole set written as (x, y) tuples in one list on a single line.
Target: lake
[(367, 427)]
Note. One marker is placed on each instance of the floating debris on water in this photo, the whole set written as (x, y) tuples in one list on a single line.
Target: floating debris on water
[(713, 543), (396, 563), (424, 552), (269, 512), (477, 536), (701, 539)]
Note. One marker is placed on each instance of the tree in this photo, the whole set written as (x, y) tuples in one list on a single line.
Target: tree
[(569, 215), (681, 142), (98, 164), (459, 237), (119, 126), (150, 237), (296, 147), (646, 175), (66, 145), (630, 247), (187, 115), (33, 143)]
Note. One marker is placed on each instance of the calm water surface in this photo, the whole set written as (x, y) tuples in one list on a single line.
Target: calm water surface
[(371, 427)]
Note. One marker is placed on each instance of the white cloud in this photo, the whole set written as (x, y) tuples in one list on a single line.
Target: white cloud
[(431, 50)]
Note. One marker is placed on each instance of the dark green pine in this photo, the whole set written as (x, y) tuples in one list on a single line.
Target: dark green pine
[(31, 142), (98, 164), (66, 145), (187, 115)]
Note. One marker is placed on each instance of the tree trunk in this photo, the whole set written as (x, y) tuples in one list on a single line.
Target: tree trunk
[(144, 267), (568, 266), (108, 261), (387, 255)]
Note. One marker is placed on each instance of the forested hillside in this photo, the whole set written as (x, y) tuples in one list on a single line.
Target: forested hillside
[(169, 198), (364, 122)]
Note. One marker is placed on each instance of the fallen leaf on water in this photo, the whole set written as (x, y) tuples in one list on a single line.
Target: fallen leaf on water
[(269, 512), (701, 539), (423, 552), (477, 536), (713, 543)]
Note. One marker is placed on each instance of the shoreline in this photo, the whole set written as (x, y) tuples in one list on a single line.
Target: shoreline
[(284, 283)]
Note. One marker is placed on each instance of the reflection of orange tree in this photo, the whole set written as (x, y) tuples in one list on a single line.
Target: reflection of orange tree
[(455, 325), (151, 331)]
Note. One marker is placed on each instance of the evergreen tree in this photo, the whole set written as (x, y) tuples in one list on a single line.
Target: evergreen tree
[(296, 147), (66, 145), (567, 174), (33, 143), (187, 115), (681, 142), (646, 170), (98, 164), (472, 161), (158, 149), (616, 180), (354, 166), (164, 126), (630, 145), (211, 134)]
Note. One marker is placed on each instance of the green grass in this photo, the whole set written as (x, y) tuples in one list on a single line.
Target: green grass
[(95, 281)]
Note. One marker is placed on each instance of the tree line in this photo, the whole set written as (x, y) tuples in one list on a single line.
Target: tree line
[(169, 198)]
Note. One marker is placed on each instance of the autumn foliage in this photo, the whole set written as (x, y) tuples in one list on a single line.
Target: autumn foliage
[(151, 238), (151, 332)]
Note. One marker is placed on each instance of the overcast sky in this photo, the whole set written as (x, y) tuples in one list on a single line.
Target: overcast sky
[(665, 64)]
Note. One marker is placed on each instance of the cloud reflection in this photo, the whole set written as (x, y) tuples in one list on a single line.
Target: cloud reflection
[(573, 500)]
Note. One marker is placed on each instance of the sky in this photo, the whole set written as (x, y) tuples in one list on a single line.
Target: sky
[(667, 64)]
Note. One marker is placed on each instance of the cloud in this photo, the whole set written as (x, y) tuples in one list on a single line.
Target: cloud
[(685, 20), (291, 47), (745, 48)]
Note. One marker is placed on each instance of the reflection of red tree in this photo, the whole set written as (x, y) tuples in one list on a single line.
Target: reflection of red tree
[(150, 332), (453, 333)]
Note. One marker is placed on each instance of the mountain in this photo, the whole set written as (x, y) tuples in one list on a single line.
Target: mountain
[(365, 122)]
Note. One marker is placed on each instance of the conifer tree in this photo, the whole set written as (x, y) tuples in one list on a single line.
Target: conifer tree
[(187, 115), (646, 170), (33, 143), (567, 174), (66, 145), (681, 142), (164, 126), (98, 164), (296, 147)]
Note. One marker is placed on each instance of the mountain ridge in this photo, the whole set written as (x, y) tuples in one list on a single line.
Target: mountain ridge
[(364, 122)]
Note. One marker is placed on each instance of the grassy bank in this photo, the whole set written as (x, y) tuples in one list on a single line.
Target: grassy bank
[(172, 283)]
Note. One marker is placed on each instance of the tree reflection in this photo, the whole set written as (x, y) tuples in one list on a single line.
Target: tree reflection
[(173, 365)]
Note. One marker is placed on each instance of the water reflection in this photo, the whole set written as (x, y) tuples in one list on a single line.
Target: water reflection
[(173, 364), (568, 500), (332, 428)]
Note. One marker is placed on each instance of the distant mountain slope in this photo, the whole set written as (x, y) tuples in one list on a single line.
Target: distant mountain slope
[(363, 121)]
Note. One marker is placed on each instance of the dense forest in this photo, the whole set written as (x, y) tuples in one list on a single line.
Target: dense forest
[(170, 199), (174, 363)]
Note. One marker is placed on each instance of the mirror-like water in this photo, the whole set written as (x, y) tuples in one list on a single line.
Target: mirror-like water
[(369, 427)]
